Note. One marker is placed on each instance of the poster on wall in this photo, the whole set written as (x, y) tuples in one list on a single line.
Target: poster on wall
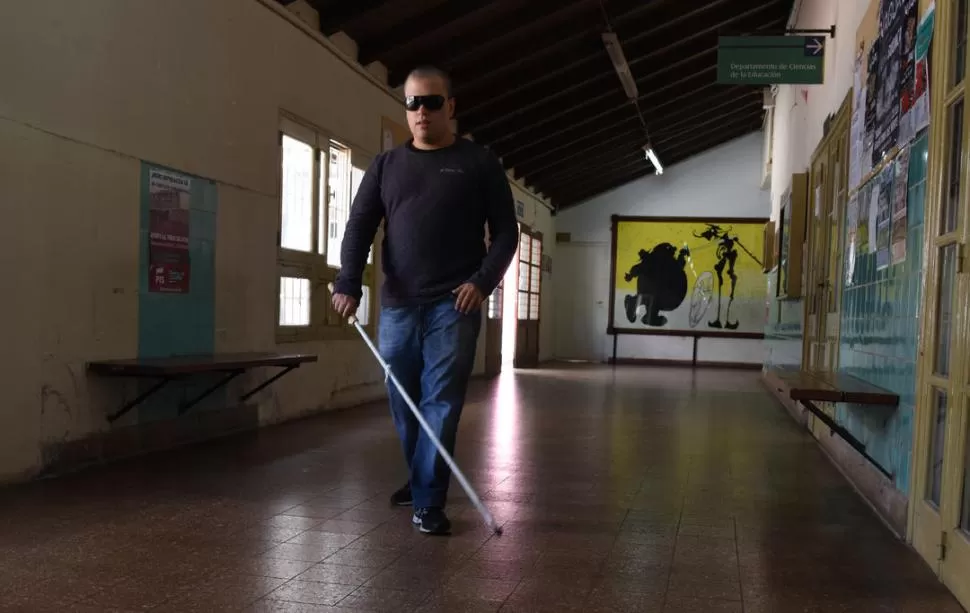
[(687, 275), (887, 99), (872, 93), (169, 212), (862, 225), (393, 134), (897, 20), (919, 114), (852, 225), (883, 215), (907, 74), (900, 208), (857, 128)]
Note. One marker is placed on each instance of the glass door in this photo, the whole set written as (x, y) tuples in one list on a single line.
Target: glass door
[(529, 286), (940, 499)]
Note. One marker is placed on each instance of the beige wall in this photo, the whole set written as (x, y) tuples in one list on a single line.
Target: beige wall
[(90, 89), (800, 110)]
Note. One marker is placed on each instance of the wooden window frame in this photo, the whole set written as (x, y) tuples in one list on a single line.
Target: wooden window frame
[(325, 324), (535, 269)]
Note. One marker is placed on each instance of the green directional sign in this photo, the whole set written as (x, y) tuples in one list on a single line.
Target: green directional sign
[(771, 60)]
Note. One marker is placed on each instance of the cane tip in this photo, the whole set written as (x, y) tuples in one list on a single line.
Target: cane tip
[(498, 530)]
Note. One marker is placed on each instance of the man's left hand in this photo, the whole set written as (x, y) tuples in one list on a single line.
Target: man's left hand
[(469, 298)]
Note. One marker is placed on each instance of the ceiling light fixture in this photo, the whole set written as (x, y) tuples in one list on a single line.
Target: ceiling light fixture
[(651, 155), (613, 49)]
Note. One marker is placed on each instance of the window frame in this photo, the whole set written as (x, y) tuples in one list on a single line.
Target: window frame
[(534, 271), (325, 324)]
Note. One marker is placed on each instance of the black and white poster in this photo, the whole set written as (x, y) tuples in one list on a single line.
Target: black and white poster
[(887, 99), (860, 158), (882, 215), (897, 31), (907, 74), (872, 92)]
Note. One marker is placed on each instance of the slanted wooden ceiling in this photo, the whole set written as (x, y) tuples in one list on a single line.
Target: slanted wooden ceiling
[(534, 83)]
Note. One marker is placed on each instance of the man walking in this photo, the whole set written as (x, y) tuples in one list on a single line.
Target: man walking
[(435, 195)]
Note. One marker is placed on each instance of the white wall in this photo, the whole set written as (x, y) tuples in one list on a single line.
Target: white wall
[(722, 182), (90, 89), (800, 110)]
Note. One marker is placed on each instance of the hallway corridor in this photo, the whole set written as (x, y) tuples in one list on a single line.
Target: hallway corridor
[(637, 489)]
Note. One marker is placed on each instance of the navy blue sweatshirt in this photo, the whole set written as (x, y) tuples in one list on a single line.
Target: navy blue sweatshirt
[(434, 205)]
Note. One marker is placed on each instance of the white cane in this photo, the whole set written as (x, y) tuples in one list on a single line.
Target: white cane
[(486, 515)]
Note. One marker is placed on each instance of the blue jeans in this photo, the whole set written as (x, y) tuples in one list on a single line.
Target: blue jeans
[(431, 350)]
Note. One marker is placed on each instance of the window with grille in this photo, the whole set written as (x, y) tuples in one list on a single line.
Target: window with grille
[(319, 178), (339, 185), (530, 276), (495, 302), (294, 302)]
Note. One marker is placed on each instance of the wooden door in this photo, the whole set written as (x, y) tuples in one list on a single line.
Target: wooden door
[(493, 332), (940, 494), (816, 266), (528, 299), (838, 163), (828, 195)]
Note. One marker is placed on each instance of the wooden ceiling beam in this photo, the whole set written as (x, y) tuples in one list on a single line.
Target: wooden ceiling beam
[(418, 38), (334, 16), (662, 144), (689, 72), (571, 195), (663, 26), (541, 154)]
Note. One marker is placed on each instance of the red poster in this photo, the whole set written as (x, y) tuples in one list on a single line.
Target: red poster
[(169, 270), (169, 213)]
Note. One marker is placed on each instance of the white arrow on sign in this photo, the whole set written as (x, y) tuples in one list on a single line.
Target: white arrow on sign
[(815, 45)]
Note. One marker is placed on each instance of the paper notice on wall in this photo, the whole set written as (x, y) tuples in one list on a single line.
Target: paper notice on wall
[(907, 75), (852, 225), (872, 92), (169, 214), (862, 223), (900, 208), (919, 114), (857, 129), (387, 140), (887, 101), (883, 216)]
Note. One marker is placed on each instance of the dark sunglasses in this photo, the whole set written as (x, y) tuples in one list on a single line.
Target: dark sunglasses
[(433, 102)]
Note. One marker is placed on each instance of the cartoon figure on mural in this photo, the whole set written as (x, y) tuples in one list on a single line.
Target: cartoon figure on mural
[(661, 283), (727, 255), (661, 276)]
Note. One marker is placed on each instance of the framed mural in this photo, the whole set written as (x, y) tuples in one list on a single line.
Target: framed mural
[(687, 276)]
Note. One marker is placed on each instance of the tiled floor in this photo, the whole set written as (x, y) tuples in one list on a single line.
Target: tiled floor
[(628, 490)]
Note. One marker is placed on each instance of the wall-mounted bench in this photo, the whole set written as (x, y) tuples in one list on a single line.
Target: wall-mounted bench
[(166, 370), (808, 387)]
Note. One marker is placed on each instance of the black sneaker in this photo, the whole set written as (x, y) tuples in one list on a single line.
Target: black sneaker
[(431, 520), (402, 497)]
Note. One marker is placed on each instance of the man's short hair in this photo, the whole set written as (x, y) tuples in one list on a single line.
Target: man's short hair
[(425, 72)]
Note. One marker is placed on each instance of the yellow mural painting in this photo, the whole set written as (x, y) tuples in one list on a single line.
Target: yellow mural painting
[(675, 273)]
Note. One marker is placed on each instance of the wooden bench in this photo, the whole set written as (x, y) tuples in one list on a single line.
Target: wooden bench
[(166, 370), (809, 387), (800, 385), (816, 386)]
